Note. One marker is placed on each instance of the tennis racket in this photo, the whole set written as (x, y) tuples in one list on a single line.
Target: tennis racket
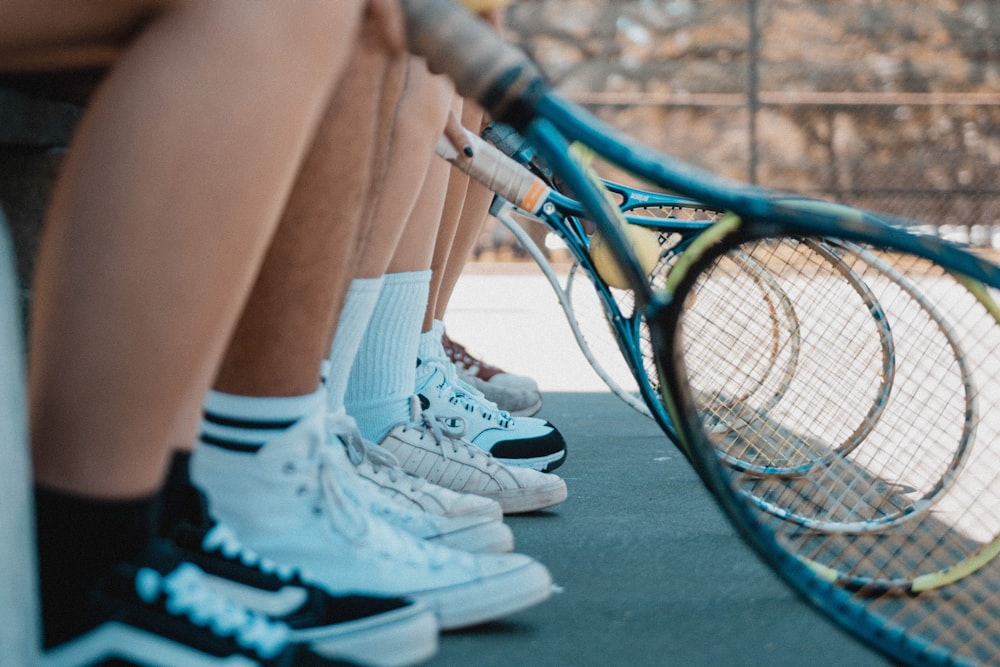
[(601, 316), (923, 590), (771, 324)]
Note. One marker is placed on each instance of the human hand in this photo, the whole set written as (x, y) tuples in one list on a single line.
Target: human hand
[(455, 134)]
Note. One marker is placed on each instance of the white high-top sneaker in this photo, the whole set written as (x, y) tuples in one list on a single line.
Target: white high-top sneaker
[(474, 523), (292, 501)]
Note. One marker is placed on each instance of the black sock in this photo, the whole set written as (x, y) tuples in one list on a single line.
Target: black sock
[(79, 540), (180, 502)]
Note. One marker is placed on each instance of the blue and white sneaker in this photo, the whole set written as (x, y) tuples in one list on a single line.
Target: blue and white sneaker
[(163, 613), (524, 442)]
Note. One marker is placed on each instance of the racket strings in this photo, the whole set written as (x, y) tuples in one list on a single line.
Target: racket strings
[(747, 358), (602, 325), (877, 448), (908, 517)]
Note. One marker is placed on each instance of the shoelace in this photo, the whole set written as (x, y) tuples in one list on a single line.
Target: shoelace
[(223, 539), (187, 594), (439, 359), (323, 484), (324, 477), (342, 507), (349, 518), (443, 432), (359, 449), (471, 401)]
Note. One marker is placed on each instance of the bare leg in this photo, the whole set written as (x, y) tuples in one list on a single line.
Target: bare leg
[(416, 247), (519, 395), (174, 184), (453, 252), (458, 185), (285, 328), (462, 224), (412, 130), (381, 364)]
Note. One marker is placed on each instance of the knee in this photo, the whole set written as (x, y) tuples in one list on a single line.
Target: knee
[(303, 31), (426, 100)]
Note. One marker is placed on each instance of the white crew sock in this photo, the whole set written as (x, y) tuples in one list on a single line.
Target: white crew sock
[(354, 318), (247, 423), (384, 373), (431, 346)]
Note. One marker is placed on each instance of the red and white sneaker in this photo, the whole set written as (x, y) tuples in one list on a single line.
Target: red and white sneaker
[(517, 394)]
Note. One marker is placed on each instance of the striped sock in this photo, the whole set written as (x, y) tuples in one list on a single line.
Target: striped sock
[(247, 423)]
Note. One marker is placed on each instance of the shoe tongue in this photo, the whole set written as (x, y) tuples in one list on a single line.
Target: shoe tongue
[(429, 375)]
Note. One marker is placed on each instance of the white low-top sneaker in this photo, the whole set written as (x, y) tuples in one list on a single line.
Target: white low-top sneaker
[(475, 523), (427, 448), (525, 442), (376, 464), (292, 501)]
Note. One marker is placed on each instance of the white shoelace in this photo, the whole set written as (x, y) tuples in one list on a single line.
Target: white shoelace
[(359, 450), (446, 432), (455, 392), (222, 538), (188, 594), (342, 507), (322, 484), (331, 486)]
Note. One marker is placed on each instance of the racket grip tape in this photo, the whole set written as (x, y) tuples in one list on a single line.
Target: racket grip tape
[(483, 66), (499, 173)]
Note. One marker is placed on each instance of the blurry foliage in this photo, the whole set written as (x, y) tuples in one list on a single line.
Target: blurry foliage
[(890, 104)]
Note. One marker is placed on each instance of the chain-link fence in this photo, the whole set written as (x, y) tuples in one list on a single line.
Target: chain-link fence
[(893, 105)]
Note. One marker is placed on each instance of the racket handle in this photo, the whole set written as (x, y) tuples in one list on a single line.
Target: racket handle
[(497, 172), (482, 64)]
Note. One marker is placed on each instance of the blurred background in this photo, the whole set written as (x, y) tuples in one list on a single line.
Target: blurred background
[(893, 105)]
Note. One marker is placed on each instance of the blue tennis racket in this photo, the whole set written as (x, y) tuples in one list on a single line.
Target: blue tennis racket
[(659, 228), (925, 586)]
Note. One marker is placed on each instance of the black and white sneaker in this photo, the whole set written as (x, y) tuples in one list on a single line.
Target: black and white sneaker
[(379, 631), (524, 442), (163, 613)]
